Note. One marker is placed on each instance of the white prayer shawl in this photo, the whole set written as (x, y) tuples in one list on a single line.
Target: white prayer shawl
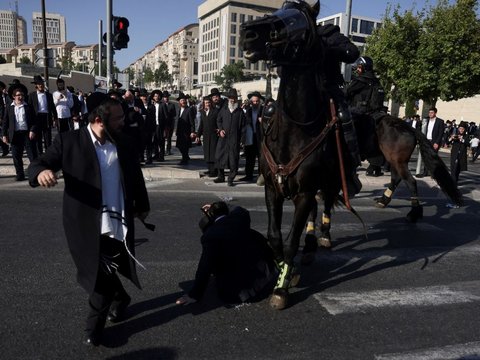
[(113, 220)]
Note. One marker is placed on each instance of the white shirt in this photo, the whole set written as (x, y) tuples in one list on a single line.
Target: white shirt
[(157, 111), (113, 221), (431, 123), (474, 142), (20, 117), (42, 102), (63, 104)]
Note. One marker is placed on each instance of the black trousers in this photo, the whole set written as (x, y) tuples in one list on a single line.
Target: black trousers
[(108, 289), (20, 142), (44, 138), (251, 154), (65, 124)]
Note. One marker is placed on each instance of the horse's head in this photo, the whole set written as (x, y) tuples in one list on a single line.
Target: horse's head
[(282, 37)]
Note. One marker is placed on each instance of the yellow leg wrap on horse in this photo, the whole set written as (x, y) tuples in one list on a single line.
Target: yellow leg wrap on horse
[(284, 277), (310, 227), (388, 193), (325, 219)]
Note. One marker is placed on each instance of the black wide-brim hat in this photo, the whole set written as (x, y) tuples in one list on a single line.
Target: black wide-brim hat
[(257, 94), (214, 92), (37, 79), (94, 100), (182, 96), (166, 94), (232, 93)]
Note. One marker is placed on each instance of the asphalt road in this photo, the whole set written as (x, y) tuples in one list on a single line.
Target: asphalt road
[(405, 292)]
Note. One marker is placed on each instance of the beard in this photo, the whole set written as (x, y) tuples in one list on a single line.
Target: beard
[(232, 107)]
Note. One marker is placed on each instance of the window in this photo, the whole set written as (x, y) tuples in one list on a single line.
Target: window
[(233, 40), (242, 18), (354, 25), (234, 17), (366, 27), (250, 17), (232, 52), (233, 29)]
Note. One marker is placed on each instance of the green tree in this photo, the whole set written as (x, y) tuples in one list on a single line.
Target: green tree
[(429, 55), (24, 60), (448, 57), (393, 47), (161, 74), (148, 76), (230, 74), (65, 63)]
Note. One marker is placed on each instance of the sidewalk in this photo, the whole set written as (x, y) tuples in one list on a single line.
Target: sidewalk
[(158, 170)]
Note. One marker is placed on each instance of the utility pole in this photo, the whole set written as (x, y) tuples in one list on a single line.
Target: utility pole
[(100, 47), (45, 49), (109, 44), (347, 71)]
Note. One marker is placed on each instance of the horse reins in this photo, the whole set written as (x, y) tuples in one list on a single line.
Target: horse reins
[(282, 172)]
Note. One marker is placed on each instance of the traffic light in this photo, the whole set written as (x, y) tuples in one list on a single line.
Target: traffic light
[(120, 33)]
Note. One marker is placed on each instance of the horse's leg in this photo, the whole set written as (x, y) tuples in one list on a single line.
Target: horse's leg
[(274, 201), (325, 240), (304, 203), (416, 211), (388, 193), (310, 239)]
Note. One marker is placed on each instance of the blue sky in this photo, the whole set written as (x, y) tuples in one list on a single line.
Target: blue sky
[(152, 21)]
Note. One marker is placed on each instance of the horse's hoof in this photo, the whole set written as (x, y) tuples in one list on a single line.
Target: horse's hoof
[(380, 205), (415, 214), (279, 299), (324, 242), (307, 258)]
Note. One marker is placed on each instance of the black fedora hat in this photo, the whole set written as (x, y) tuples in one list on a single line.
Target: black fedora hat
[(257, 94), (166, 94), (232, 93), (181, 96), (214, 92), (156, 91), (94, 100), (37, 79)]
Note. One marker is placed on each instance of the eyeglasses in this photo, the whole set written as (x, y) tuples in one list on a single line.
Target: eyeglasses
[(18, 95)]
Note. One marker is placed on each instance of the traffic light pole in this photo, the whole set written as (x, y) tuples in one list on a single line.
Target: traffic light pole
[(45, 48), (109, 44), (100, 47)]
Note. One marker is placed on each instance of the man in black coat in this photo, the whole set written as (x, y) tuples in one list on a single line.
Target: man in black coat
[(104, 191), (170, 115), (45, 112), (235, 254), (253, 134), (231, 129), (4, 100), (19, 129), (185, 128), (435, 129), (208, 129)]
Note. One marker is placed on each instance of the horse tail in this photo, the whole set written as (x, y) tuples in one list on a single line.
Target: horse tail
[(438, 169)]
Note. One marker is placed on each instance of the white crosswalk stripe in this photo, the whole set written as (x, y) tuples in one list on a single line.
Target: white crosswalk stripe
[(467, 351), (350, 302)]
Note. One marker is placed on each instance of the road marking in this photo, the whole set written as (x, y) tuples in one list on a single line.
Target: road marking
[(450, 352), (350, 302)]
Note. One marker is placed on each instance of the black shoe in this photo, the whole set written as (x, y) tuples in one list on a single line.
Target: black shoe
[(118, 311), (183, 162), (20, 178), (169, 153), (420, 175), (5, 152), (148, 162), (219, 180), (230, 183)]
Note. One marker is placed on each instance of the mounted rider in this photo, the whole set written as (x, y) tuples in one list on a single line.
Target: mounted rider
[(365, 96), (338, 48)]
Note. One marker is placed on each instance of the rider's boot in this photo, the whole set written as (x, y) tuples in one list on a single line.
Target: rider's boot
[(353, 183)]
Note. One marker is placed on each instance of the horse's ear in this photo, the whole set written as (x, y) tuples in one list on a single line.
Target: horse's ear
[(316, 8)]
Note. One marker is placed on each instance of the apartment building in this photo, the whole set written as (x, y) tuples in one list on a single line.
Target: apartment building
[(13, 29), (180, 52), (56, 28), (361, 27), (219, 35)]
